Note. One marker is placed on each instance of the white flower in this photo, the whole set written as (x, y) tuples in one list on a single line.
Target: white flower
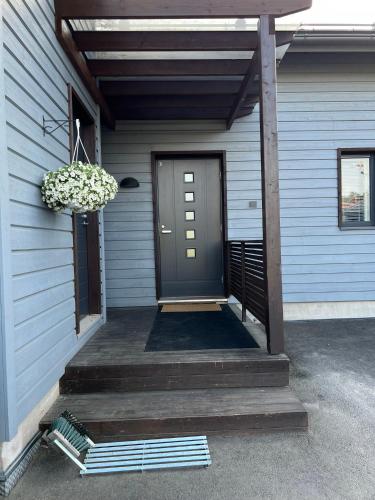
[(79, 186)]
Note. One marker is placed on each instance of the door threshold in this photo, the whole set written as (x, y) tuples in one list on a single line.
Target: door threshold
[(203, 300)]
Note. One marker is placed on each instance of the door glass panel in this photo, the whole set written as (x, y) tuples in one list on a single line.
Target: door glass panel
[(190, 253), (190, 234), (190, 215), (189, 197), (189, 177), (355, 186)]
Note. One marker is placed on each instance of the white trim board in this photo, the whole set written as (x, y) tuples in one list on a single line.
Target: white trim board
[(10, 450), (305, 311), (298, 311), (87, 323)]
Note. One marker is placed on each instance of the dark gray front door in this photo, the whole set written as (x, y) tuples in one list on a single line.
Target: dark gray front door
[(190, 228)]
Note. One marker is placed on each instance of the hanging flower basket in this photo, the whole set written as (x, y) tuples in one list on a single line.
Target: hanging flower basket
[(81, 187)]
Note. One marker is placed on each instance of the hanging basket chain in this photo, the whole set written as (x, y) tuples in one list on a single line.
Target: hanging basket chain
[(78, 144), (79, 186)]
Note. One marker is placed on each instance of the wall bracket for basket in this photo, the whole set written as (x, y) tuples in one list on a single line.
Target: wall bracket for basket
[(50, 129)]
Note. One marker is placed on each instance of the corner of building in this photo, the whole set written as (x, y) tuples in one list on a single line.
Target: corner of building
[(16, 454)]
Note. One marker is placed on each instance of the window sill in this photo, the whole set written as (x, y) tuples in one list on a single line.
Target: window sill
[(357, 228)]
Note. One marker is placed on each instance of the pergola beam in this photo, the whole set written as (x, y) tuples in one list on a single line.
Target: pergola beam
[(152, 41), (76, 43), (167, 67), (122, 113), (249, 79), (206, 87), (176, 9), (65, 38), (176, 101)]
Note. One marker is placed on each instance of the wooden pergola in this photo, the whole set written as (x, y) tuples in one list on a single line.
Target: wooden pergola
[(220, 88)]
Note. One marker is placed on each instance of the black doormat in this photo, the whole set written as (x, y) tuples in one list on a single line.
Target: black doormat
[(192, 331)]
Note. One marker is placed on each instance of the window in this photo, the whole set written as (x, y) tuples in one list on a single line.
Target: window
[(357, 189), (189, 177), (190, 234), (191, 253), (189, 197), (190, 215)]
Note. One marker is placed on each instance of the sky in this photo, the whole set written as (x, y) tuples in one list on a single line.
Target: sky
[(337, 12)]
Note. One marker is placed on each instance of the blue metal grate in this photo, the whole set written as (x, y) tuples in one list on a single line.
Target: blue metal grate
[(152, 454), (71, 437)]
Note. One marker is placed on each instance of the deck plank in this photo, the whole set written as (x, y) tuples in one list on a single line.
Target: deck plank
[(123, 338), (114, 360), (120, 391), (184, 411)]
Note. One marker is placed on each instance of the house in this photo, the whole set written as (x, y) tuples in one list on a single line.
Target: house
[(200, 122)]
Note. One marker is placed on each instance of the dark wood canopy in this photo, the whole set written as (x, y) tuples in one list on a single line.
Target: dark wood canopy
[(151, 41), (192, 88), (162, 87), (176, 9)]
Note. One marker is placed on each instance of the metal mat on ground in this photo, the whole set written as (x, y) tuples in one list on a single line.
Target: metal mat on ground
[(71, 437)]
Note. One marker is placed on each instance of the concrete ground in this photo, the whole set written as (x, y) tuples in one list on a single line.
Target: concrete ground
[(333, 373)]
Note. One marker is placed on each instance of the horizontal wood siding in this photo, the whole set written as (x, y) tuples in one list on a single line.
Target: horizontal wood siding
[(325, 102), (36, 73), (8, 424), (130, 267)]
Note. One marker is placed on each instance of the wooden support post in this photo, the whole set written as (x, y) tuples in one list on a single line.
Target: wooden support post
[(270, 185), (243, 282), (228, 274)]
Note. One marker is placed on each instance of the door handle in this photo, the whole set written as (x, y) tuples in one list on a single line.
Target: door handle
[(164, 230), (85, 222)]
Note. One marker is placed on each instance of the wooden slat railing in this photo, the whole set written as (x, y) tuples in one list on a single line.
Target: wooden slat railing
[(246, 277)]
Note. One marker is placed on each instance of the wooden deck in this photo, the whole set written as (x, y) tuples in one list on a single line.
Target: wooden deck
[(162, 413), (118, 389), (115, 360)]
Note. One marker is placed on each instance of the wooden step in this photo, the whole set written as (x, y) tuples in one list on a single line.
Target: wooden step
[(177, 370), (167, 413)]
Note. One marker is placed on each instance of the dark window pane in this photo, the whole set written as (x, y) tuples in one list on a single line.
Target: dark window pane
[(355, 190)]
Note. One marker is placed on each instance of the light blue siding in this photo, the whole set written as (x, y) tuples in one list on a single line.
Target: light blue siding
[(324, 105), (36, 74), (325, 102), (8, 416), (128, 219)]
